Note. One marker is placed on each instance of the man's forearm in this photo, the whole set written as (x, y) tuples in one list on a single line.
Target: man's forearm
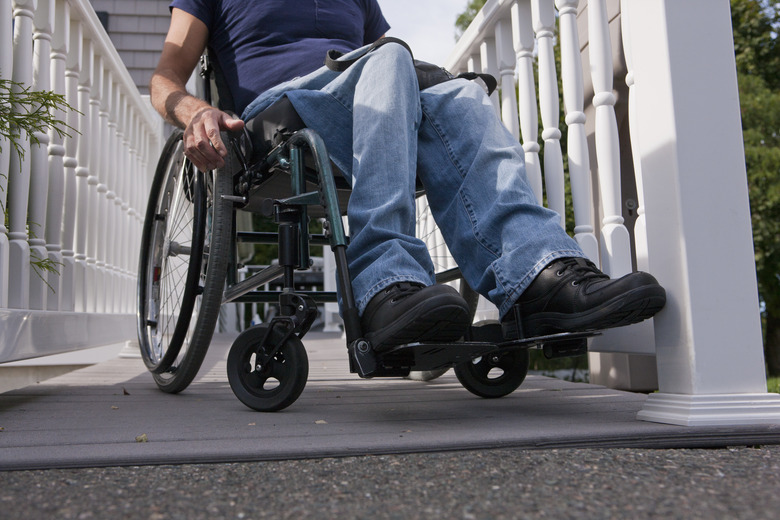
[(171, 99)]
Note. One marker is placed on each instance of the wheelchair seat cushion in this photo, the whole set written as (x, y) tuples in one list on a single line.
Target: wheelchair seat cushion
[(269, 127)]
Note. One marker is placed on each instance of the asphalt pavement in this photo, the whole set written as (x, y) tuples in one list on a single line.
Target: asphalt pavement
[(726, 483)]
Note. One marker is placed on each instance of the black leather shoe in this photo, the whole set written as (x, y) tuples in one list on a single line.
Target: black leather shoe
[(572, 295), (408, 312)]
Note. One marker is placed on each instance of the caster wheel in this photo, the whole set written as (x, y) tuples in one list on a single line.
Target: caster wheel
[(278, 383), (494, 375)]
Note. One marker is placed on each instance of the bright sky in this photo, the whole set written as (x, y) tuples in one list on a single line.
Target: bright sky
[(428, 26)]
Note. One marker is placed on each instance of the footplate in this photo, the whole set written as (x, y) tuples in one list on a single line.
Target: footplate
[(481, 341)]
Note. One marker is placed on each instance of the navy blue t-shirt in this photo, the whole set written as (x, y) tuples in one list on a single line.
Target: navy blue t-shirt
[(261, 43)]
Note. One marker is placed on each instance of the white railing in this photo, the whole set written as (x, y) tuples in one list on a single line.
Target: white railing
[(78, 200), (693, 226)]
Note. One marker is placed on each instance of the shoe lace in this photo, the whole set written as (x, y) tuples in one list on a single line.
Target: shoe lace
[(582, 269), (402, 290)]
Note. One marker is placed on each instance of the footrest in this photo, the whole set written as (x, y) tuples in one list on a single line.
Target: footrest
[(565, 348), (400, 360)]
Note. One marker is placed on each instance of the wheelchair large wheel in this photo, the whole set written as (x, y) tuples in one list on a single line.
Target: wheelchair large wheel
[(171, 251), (184, 254), (494, 375), (273, 385)]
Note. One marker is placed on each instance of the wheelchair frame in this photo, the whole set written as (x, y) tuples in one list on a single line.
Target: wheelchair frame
[(273, 352)]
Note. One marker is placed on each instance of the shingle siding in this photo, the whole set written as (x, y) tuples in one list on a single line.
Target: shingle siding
[(137, 28)]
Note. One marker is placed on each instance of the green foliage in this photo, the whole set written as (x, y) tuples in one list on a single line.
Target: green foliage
[(41, 266), (466, 17), (757, 52), (761, 123), (23, 114), (756, 23), (265, 254), (27, 111)]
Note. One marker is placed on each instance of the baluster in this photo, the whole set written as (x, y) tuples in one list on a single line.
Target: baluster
[(615, 242), (544, 26), (139, 182), (117, 184), (474, 63), (54, 212), (506, 70), (529, 117), (115, 199), (640, 227), (82, 174), (577, 148), (128, 216), (489, 59), (68, 269), (19, 167), (106, 195), (142, 189), (103, 206), (130, 206), (97, 141), (113, 175), (39, 155), (6, 68)]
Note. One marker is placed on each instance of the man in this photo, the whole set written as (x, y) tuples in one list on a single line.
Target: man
[(383, 133)]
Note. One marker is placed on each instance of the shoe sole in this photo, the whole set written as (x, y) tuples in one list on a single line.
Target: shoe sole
[(425, 322), (629, 308)]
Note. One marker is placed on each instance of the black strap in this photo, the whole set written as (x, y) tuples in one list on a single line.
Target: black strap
[(333, 62), (332, 57), (490, 82)]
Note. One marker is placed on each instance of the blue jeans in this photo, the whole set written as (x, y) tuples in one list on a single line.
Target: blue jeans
[(382, 132)]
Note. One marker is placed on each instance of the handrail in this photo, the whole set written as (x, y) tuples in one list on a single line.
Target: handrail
[(77, 201)]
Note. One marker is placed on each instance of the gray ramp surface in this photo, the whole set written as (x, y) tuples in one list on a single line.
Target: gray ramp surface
[(98, 415)]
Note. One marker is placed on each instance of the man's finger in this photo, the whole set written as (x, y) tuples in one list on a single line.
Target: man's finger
[(231, 124), (211, 127)]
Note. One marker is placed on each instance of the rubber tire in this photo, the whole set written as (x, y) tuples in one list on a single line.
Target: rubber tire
[(290, 368), (475, 375), (168, 281), (212, 272)]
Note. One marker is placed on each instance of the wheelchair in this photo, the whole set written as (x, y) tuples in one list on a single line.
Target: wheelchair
[(189, 267)]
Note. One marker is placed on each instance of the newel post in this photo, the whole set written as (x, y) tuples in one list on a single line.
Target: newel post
[(709, 348)]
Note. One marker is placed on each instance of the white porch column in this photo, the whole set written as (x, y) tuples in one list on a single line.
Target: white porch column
[(709, 349)]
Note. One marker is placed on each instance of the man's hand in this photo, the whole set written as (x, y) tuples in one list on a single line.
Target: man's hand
[(203, 145), (184, 44)]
